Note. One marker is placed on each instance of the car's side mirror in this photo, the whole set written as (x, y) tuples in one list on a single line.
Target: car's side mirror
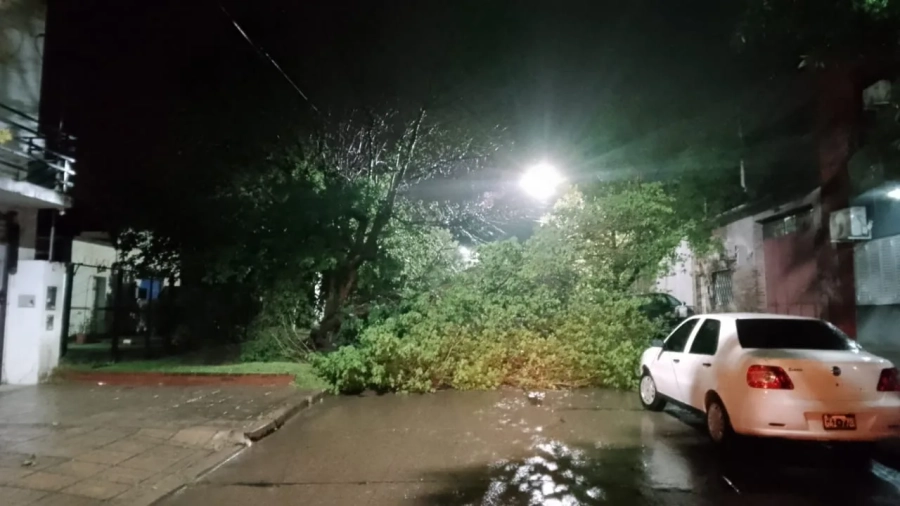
[(656, 343)]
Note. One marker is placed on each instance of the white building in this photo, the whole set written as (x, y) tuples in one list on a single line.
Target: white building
[(93, 261), (35, 174)]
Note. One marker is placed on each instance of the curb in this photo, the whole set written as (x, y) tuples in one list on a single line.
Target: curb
[(176, 379), (276, 418)]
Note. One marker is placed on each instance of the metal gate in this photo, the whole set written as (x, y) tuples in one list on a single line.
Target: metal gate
[(111, 312), (792, 281)]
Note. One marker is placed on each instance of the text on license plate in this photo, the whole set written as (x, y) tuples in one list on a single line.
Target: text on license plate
[(839, 422)]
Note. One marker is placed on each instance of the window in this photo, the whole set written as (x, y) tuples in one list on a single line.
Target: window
[(707, 339), (722, 295), (679, 338), (798, 221), (672, 300), (792, 335)]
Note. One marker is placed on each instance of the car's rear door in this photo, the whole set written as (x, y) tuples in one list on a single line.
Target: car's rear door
[(663, 368), (696, 372)]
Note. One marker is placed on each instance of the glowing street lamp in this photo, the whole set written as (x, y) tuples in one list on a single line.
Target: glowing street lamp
[(541, 181)]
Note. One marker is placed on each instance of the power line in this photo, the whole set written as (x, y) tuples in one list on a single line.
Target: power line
[(265, 55)]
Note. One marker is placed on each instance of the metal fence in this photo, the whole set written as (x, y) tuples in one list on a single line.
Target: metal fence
[(112, 311), (42, 158)]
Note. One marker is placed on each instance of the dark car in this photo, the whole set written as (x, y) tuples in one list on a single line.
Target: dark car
[(664, 307)]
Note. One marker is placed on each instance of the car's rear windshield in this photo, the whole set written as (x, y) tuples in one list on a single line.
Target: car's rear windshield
[(791, 334)]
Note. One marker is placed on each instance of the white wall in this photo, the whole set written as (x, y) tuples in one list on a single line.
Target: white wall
[(90, 259), (32, 334), (679, 282)]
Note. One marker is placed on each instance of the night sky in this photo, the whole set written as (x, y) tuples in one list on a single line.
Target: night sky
[(142, 83)]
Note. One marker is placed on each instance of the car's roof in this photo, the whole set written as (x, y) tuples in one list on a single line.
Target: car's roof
[(754, 316)]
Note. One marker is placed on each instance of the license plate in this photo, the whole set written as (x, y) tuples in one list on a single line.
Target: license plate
[(839, 422)]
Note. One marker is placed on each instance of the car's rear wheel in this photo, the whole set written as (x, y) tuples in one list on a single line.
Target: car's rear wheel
[(718, 425), (650, 397)]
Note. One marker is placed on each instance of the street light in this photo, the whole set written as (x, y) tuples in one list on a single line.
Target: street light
[(894, 194), (541, 181)]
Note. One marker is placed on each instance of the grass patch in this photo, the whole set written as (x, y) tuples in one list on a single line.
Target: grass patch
[(304, 376)]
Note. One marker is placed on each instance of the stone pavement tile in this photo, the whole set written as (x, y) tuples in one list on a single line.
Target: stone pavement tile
[(15, 460), (195, 436), (96, 439), (125, 475), (19, 496), (149, 463), (103, 457), (20, 434), (132, 445), (45, 481), (149, 492), (172, 452), (11, 474), (51, 448), (78, 430), (191, 468), (96, 489), (156, 433), (66, 500), (307, 495), (77, 469)]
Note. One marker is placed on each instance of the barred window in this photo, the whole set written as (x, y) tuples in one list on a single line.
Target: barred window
[(722, 295)]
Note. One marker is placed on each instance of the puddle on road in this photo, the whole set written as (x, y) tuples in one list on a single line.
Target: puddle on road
[(633, 458), (555, 474), (558, 474)]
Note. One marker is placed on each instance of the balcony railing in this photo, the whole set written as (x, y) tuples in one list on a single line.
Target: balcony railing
[(45, 159)]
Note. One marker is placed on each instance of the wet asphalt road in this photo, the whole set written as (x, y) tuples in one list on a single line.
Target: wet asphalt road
[(500, 448)]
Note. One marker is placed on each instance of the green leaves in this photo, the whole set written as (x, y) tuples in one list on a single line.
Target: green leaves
[(553, 311)]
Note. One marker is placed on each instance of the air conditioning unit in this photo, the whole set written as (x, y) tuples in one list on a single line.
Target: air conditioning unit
[(850, 225), (878, 94)]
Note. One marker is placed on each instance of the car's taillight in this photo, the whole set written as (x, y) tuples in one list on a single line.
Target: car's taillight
[(769, 377), (889, 380)]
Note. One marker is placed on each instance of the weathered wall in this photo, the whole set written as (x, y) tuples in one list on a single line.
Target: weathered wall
[(741, 254), (679, 282)]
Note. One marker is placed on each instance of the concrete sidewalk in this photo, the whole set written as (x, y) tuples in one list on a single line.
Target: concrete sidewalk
[(83, 445)]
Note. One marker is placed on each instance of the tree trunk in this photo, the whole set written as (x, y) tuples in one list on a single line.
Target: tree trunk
[(338, 289)]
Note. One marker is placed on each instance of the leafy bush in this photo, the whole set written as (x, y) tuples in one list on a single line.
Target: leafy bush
[(553, 312), (425, 352), (520, 317)]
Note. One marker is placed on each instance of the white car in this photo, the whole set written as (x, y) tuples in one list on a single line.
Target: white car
[(773, 375)]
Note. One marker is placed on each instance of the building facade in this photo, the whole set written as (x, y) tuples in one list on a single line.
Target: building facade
[(36, 175)]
